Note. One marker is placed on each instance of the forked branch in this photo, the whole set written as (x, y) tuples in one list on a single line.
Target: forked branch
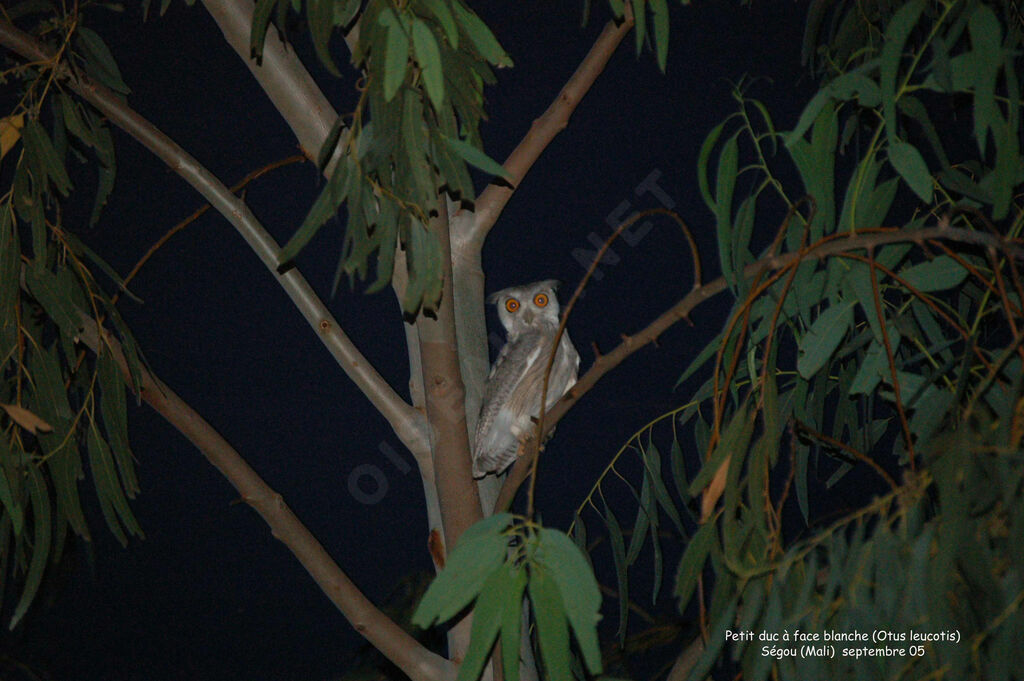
[(407, 423)]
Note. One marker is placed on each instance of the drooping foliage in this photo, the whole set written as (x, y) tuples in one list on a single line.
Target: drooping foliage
[(65, 409), (406, 145), (876, 327)]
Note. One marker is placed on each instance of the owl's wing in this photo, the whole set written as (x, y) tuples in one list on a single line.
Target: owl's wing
[(495, 445)]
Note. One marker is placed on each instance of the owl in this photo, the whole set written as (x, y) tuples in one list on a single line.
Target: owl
[(512, 395)]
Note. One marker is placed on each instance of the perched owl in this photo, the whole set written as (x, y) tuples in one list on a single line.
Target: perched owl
[(512, 396)]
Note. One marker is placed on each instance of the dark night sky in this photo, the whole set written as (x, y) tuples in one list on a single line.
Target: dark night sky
[(209, 594)]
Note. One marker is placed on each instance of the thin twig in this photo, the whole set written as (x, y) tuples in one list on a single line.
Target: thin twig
[(534, 447), (274, 165)]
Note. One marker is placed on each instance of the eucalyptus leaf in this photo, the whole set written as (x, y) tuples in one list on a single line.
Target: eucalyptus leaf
[(479, 552), (428, 56), (938, 274), (569, 569), (909, 163), (821, 340), (552, 625)]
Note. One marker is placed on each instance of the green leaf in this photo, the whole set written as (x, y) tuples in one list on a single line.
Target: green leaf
[(55, 295), (909, 163), (44, 157), (106, 169), (115, 411), (7, 501), (807, 118), (702, 163), (512, 621), (477, 158), (678, 466), (481, 36), (986, 41), (875, 365), (80, 249), (659, 19), (821, 340), (857, 286), (581, 597), (260, 24), (10, 270), (913, 107), (479, 552), (939, 274), (497, 594), (344, 11), (724, 186), (642, 522), (619, 557), (652, 461), (396, 58), (736, 436), (552, 627), (857, 85), (320, 14), (41, 533), (816, 163), (99, 62), (702, 357), (326, 152), (108, 490), (325, 206), (428, 56), (640, 23), (692, 564), (444, 16), (896, 34)]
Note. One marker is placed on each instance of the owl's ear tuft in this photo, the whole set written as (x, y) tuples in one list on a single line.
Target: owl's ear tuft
[(494, 297)]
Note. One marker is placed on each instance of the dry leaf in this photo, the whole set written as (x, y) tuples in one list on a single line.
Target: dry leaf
[(26, 419), (10, 133), (713, 492)]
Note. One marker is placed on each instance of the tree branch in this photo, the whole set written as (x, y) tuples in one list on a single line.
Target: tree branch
[(492, 200), (835, 244), (445, 405), (280, 73), (446, 413), (384, 634), (407, 423)]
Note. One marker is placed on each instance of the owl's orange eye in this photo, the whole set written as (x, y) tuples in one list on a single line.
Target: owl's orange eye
[(540, 300), (511, 304)]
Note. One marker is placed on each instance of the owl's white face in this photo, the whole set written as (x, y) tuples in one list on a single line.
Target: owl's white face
[(530, 306)]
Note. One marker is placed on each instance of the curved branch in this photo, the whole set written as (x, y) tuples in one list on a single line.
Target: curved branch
[(492, 200), (835, 244), (406, 421), (394, 642)]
